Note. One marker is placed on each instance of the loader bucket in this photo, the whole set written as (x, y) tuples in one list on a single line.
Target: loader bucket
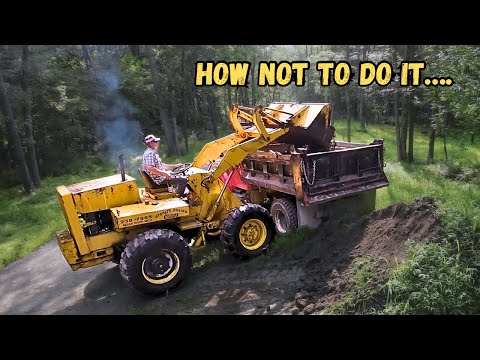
[(309, 123)]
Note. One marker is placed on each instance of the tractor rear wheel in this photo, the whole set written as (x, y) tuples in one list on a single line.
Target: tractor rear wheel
[(248, 230), (284, 213), (156, 261)]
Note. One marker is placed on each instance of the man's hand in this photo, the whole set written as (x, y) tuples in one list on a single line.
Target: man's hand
[(167, 175)]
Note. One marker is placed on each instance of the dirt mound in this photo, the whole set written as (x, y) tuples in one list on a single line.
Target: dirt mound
[(388, 228), (383, 234), (308, 277)]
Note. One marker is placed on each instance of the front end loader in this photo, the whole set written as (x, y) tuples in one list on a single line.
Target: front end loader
[(151, 231)]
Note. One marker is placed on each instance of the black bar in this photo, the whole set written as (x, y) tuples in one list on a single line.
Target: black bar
[(122, 167)]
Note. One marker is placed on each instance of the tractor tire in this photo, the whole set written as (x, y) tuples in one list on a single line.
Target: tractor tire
[(248, 230), (156, 261), (284, 214)]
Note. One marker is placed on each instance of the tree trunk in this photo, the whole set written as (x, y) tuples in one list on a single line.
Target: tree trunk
[(398, 137), (361, 114), (404, 125), (195, 106), (28, 118), (347, 100), (168, 129), (135, 50), (308, 96), (229, 89), (184, 102), (87, 58), (411, 126), (349, 115), (5, 158), (252, 83), (185, 125), (445, 142), (213, 115), (14, 138), (386, 109), (245, 93), (405, 109), (431, 146), (172, 113)]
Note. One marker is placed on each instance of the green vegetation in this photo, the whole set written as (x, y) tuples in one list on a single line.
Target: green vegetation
[(285, 242), (420, 179), (367, 294), (436, 278)]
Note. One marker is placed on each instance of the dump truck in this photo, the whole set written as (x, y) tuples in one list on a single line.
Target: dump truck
[(298, 176), (277, 153)]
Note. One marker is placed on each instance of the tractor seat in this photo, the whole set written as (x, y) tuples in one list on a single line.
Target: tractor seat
[(149, 183)]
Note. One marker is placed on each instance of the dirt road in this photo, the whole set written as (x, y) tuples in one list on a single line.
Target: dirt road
[(42, 283), (302, 279)]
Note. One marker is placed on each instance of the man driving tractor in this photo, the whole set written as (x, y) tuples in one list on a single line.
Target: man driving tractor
[(159, 171)]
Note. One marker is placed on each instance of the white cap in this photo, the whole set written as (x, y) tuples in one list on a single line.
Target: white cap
[(150, 138)]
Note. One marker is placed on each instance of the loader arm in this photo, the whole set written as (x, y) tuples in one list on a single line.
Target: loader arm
[(235, 147), (235, 155)]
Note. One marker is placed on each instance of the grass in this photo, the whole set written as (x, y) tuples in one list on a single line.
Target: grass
[(435, 280), (367, 293), (286, 242)]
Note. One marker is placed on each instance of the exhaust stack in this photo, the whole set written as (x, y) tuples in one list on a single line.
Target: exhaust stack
[(122, 167)]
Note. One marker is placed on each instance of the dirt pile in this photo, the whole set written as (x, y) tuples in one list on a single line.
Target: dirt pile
[(308, 277), (383, 234)]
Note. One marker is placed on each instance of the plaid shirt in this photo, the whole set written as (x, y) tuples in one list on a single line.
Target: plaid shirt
[(151, 158)]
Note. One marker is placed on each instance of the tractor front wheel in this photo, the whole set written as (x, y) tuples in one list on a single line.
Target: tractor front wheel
[(156, 261), (248, 230)]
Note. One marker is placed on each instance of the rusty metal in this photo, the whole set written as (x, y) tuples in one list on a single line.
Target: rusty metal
[(345, 171), (313, 124), (122, 167), (95, 184)]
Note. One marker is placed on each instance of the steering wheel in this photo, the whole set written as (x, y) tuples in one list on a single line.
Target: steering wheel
[(181, 168)]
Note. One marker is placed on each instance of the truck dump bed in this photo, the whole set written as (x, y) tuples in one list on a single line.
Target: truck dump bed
[(317, 177)]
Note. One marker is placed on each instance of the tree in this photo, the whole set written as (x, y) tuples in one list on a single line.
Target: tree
[(168, 128), (32, 152), (456, 104), (13, 137)]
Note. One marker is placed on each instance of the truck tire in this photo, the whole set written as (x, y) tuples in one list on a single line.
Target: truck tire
[(284, 214), (248, 230), (156, 261)]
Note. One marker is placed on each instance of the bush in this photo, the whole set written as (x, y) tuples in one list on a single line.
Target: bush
[(460, 171), (434, 280)]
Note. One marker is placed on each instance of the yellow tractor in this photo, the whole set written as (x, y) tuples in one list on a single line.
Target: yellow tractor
[(150, 231)]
